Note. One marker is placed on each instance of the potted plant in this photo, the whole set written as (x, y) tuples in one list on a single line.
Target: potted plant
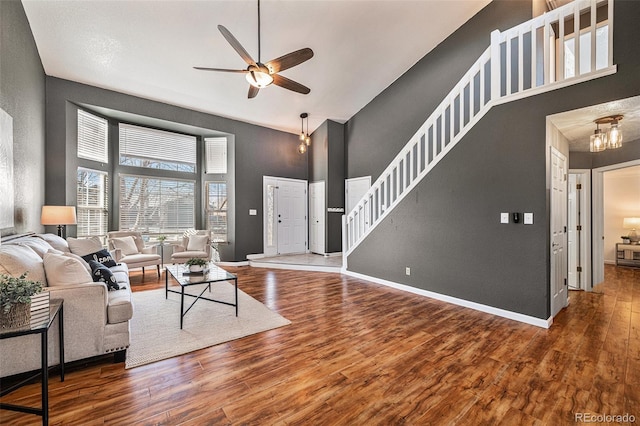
[(15, 300), (162, 238), (196, 264)]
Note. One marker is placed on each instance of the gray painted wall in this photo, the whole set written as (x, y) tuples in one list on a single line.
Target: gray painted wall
[(327, 163), (377, 132), (22, 96), (258, 151), (447, 230)]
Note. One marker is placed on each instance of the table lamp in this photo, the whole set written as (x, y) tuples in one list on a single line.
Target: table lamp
[(60, 216), (632, 223)]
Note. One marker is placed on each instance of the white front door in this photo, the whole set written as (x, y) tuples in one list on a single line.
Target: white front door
[(354, 190), (558, 231), (316, 217), (285, 216)]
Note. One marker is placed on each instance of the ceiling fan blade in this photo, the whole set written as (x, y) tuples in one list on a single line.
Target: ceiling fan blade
[(289, 60), (286, 83), (253, 91), (220, 69), (236, 45)]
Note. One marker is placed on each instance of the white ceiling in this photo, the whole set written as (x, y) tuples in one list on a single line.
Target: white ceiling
[(148, 49), (578, 125)]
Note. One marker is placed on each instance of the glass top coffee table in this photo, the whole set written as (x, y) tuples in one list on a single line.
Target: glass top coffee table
[(212, 274)]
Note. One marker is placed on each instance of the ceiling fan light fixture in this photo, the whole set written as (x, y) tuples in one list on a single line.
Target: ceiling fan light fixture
[(259, 79)]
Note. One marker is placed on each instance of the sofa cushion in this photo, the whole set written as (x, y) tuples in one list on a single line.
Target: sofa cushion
[(101, 273), (55, 241), (186, 255), (103, 256), (84, 246), (36, 244), (126, 244), (120, 307), (121, 272), (63, 270), (16, 259)]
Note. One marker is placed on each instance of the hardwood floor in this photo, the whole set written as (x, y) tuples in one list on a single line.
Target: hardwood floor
[(361, 353)]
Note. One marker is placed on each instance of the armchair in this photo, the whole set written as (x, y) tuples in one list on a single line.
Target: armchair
[(196, 245), (129, 248)]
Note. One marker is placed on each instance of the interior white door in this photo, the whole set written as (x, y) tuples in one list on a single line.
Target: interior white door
[(558, 277), (317, 217), (354, 190)]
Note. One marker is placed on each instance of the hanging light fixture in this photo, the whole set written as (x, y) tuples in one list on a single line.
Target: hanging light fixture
[(612, 139), (302, 117), (307, 139), (614, 136), (302, 148)]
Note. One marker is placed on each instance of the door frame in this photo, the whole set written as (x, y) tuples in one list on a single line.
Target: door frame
[(272, 250), (318, 184), (585, 282), (597, 208)]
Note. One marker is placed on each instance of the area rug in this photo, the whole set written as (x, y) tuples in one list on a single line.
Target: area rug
[(155, 326)]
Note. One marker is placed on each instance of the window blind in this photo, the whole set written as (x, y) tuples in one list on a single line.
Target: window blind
[(92, 207), (216, 155), (92, 137), (156, 205), (156, 149)]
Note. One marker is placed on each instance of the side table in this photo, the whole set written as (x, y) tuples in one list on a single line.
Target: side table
[(40, 324)]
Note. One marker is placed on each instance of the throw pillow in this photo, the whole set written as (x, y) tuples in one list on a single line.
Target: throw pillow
[(84, 246), (63, 270), (79, 259), (103, 274), (197, 243), (16, 259), (102, 256), (126, 244)]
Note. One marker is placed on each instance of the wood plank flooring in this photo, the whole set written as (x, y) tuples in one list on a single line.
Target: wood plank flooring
[(358, 353)]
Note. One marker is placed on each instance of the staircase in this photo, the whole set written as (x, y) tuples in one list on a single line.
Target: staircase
[(534, 57)]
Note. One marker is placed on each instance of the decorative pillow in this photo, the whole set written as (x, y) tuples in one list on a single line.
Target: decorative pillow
[(102, 256), (55, 241), (63, 270), (36, 244), (78, 258), (84, 246), (103, 274), (197, 243), (126, 244)]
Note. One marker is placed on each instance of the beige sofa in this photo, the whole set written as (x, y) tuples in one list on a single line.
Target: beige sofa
[(96, 320)]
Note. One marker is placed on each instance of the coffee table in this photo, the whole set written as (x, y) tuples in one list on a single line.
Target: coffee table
[(181, 274)]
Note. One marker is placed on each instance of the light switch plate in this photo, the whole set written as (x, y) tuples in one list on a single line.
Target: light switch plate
[(504, 217), (528, 218), (253, 212)]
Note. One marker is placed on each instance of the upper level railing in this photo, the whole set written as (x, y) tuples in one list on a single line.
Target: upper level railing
[(537, 56)]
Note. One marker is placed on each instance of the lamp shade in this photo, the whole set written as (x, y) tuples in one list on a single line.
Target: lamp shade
[(58, 215), (631, 223)]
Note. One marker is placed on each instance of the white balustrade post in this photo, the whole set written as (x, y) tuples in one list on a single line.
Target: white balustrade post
[(495, 65)]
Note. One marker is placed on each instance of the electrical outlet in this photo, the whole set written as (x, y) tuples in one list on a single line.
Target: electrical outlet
[(504, 217), (407, 270)]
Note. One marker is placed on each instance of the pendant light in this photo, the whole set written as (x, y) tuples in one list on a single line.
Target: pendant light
[(305, 140), (302, 117), (612, 139)]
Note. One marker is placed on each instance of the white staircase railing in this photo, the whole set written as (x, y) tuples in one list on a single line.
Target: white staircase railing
[(537, 56)]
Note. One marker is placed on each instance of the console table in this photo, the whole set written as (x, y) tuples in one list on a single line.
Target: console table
[(41, 321), (627, 254)]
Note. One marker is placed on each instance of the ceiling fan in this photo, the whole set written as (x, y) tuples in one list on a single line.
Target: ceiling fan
[(261, 75)]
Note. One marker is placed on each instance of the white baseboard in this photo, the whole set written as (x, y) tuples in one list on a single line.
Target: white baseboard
[(538, 322), (312, 268), (255, 256), (239, 263)]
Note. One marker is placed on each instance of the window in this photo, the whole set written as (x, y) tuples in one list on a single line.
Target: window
[(217, 210), (156, 149), (216, 155), (92, 203), (156, 205), (92, 137)]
